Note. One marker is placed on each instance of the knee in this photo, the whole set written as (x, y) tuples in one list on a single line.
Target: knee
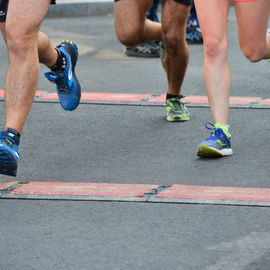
[(215, 47), (174, 43), (253, 53), (18, 39), (129, 36)]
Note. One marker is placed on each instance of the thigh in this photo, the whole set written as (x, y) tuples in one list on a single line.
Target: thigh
[(27, 15), (174, 15), (213, 18), (252, 19), (130, 13)]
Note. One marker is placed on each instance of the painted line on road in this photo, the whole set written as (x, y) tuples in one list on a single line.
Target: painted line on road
[(150, 99), (104, 97), (214, 195), (179, 194), (101, 98), (77, 191)]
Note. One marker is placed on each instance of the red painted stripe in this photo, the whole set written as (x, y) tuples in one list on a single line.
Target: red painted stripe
[(220, 193), (159, 99), (93, 96), (242, 100), (196, 99), (40, 93), (114, 97), (187, 99), (6, 184), (204, 100), (265, 102), (176, 191), (105, 97), (90, 189)]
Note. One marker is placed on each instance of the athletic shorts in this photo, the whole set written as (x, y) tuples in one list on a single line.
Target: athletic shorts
[(184, 2), (4, 7)]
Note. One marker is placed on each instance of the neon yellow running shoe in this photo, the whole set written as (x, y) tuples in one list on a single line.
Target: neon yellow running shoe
[(176, 110)]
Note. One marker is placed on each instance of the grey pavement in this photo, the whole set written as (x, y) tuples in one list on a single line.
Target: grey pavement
[(135, 144)]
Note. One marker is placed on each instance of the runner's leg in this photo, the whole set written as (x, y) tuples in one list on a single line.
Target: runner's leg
[(174, 19), (252, 19), (22, 27), (213, 17), (46, 51), (131, 25)]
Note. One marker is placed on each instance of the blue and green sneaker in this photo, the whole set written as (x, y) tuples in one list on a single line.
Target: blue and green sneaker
[(67, 84), (218, 144), (9, 153), (176, 110), (193, 36)]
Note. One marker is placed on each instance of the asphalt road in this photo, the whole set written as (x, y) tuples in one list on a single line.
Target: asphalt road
[(135, 144)]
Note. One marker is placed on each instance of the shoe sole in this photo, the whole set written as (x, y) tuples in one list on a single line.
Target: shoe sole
[(209, 152), (179, 119), (8, 165), (74, 57)]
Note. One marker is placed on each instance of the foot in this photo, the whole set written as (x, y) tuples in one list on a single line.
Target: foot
[(217, 145), (9, 154), (67, 84), (193, 20), (150, 49), (176, 110), (193, 36)]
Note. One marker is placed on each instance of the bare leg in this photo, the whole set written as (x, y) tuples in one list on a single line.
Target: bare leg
[(46, 51), (22, 28), (213, 16), (252, 19), (174, 18), (131, 25)]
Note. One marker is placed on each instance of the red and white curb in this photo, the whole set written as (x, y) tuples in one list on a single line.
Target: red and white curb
[(148, 99), (185, 194)]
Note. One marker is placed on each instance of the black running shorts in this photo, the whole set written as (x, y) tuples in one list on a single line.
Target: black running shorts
[(4, 7), (185, 2)]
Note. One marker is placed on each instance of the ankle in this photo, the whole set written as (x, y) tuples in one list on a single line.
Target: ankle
[(60, 63), (224, 128)]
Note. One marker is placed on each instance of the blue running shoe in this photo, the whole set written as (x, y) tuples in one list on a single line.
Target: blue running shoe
[(9, 154), (193, 36), (193, 19), (217, 145), (67, 84)]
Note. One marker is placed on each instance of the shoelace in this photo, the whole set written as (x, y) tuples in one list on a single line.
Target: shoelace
[(144, 49), (62, 86), (177, 102), (215, 131), (9, 142)]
